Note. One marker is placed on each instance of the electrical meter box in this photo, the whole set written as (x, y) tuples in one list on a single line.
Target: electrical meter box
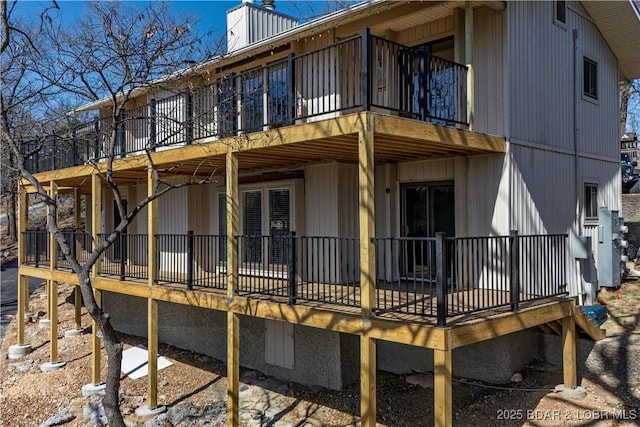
[(611, 248)]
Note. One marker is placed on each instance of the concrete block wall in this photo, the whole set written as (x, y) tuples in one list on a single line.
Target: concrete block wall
[(323, 358), (493, 361)]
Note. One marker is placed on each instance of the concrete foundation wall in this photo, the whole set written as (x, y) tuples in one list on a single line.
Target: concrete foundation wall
[(493, 361), (614, 357), (316, 351)]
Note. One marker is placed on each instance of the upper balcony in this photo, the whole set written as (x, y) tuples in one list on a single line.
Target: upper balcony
[(360, 73)]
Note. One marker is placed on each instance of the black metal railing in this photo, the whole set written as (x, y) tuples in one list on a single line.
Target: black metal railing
[(194, 260), (300, 268), (36, 248), (361, 73), (435, 277), (80, 244), (126, 257), (448, 276)]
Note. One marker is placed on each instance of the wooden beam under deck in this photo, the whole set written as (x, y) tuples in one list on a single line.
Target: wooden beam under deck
[(410, 330), (335, 139)]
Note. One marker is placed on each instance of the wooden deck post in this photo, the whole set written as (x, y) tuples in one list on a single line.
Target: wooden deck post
[(233, 320), (442, 390), (23, 281), (569, 367), (152, 305), (152, 343), (95, 344), (53, 317), (52, 285), (468, 51), (96, 226), (78, 250), (366, 214)]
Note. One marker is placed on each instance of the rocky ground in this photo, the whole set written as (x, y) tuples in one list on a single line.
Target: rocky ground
[(194, 387)]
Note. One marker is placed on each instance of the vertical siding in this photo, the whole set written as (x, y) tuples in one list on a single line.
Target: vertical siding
[(173, 212), (426, 170), (541, 80), (428, 31), (321, 200), (348, 200), (486, 197), (488, 65)]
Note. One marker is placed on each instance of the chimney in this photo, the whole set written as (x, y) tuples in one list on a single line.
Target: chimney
[(249, 23)]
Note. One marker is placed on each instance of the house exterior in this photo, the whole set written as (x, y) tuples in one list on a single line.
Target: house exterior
[(398, 180)]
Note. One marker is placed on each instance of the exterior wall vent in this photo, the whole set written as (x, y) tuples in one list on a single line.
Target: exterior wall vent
[(248, 23)]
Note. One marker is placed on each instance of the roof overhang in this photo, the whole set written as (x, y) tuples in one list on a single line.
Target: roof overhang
[(619, 24)]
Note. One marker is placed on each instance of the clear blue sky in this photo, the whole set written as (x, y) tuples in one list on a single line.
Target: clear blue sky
[(210, 15)]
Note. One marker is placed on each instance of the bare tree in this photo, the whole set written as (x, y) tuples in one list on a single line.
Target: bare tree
[(23, 96), (629, 105), (112, 54)]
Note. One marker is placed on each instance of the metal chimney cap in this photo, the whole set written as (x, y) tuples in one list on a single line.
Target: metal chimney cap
[(269, 4)]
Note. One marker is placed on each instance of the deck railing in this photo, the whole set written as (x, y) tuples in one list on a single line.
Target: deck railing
[(37, 248), (361, 73), (80, 243), (300, 268), (194, 260), (126, 257), (447, 276), (435, 277)]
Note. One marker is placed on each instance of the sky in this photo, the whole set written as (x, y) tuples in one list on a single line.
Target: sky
[(210, 15)]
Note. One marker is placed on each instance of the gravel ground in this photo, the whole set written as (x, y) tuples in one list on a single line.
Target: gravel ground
[(194, 389)]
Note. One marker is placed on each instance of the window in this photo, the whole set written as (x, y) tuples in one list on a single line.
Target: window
[(591, 201), (590, 78), (560, 12)]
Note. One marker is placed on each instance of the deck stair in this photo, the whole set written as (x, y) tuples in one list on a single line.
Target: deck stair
[(588, 321)]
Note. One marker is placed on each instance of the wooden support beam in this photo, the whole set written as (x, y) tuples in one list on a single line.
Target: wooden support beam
[(569, 367), (368, 394), (77, 206), (233, 369), (53, 318), (152, 343), (442, 389), (233, 223), (53, 245), (509, 323), (96, 215), (233, 319), (95, 344), (23, 221), (23, 282), (366, 214)]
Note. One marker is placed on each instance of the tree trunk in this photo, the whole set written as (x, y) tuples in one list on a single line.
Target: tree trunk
[(11, 216), (111, 399)]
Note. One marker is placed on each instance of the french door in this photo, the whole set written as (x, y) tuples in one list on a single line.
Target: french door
[(266, 213)]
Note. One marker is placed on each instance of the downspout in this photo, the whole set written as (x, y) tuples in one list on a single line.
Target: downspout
[(576, 182)]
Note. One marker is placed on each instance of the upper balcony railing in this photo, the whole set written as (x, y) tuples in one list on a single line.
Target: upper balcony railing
[(361, 73)]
